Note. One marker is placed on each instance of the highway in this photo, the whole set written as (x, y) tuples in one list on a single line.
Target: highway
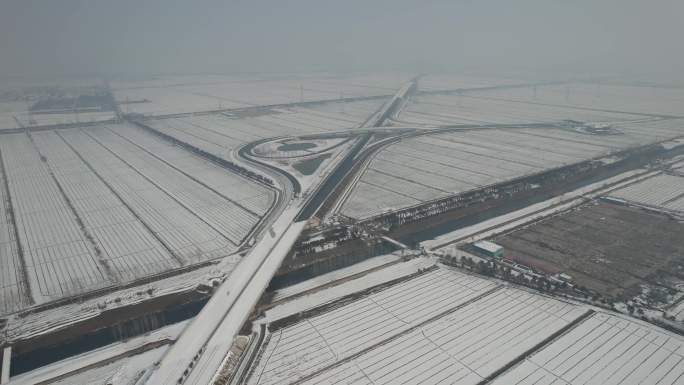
[(331, 182), (393, 106), (199, 353), (200, 350)]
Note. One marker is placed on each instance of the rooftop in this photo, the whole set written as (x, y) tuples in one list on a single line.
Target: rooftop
[(488, 246)]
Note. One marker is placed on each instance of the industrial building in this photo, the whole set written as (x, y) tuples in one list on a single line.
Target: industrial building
[(489, 249)]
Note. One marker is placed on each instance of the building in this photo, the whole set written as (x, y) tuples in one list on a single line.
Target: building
[(489, 249)]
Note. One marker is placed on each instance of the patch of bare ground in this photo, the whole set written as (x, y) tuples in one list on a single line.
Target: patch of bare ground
[(609, 249)]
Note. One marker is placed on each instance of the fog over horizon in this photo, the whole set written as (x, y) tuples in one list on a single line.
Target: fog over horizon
[(544, 37)]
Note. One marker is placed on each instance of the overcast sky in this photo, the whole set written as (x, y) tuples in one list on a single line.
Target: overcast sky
[(136, 36)]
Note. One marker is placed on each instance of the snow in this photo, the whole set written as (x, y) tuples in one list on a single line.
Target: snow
[(663, 191), (536, 211), (271, 149), (336, 275), (171, 217), (592, 96), (412, 331), (122, 205), (672, 143), (8, 109), (218, 133), (309, 183), (107, 205), (14, 115), (330, 294), (124, 371), (488, 246), (407, 333), (47, 321), (38, 120), (126, 248), (220, 211), (113, 364), (479, 108), (207, 340), (431, 167), (12, 295), (466, 346), (235, 188), (605, 349), (186, 94), (59, 259), (451, 81), (677, 311)]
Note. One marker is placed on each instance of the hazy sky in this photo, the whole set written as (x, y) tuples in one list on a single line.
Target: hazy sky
[(137, 36)]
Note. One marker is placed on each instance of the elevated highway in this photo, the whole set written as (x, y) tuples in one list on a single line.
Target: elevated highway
[(200, 351), (198, 355), (392, 108)]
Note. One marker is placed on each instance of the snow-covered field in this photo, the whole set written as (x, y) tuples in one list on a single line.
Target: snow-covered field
[(295, 148), (467, 109), (218, 134), (107, 205), (447, 81), (430, 167), (448, 243), (445, 326), (110, 204), (598, 96), (114, 364), (122, 371), (17, 96), (664, 191), (14, 120), (463, 347), (184, 94), (14, 115), (314, 343), (20, 327), (353, 112), (318, 296), (7, 112), (335, 275), (243, 192), (36, 120), (60, 261), (442, 325), (201, 349), (677, 311), (12, 296), (605, 349), (7, 122)]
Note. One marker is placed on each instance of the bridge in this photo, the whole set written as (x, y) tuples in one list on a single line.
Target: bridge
[(199, 353)]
